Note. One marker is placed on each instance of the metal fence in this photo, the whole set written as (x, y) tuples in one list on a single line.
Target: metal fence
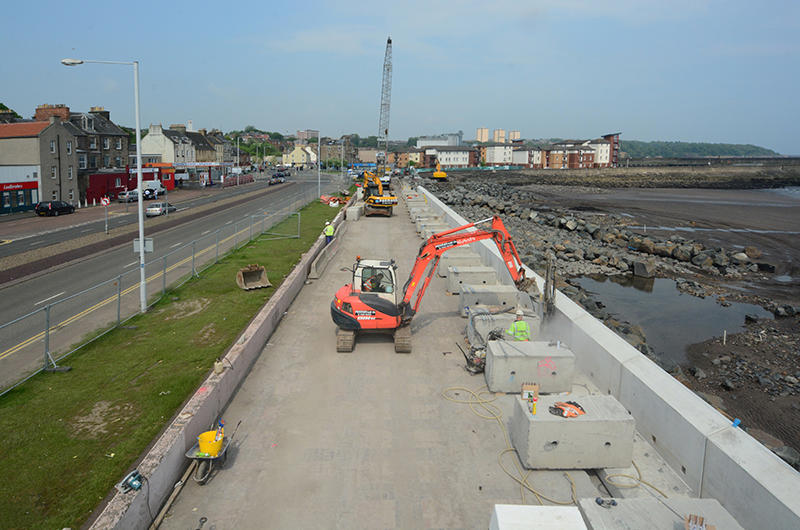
[(37, 341)]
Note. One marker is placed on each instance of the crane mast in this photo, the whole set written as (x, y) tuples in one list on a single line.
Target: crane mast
[(386, 100)]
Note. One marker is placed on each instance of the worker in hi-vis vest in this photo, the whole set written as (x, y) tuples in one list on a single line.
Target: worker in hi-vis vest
[(328, 232), (520, 329)]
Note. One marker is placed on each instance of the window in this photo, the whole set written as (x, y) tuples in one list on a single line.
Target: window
[(71, 194), (106, 161), (53, 195), (117, 161), (52, 146), (82, 161), (92, 161), (69, 172), (92, 143), (119, 143), (106, 143), (69, 147), (53, 172), (118, 182)]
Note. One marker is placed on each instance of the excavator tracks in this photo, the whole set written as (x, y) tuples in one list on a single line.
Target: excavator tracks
[(345, 340), (402, 340)]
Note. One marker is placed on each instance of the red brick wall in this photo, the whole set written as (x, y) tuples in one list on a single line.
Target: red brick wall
[(43, 112)]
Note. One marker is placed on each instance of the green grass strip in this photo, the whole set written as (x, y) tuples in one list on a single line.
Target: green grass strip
[(67, 438)]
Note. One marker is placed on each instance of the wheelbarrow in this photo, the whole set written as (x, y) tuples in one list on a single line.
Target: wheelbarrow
[(205, 461)]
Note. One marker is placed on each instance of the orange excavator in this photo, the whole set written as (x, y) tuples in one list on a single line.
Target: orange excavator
[(371, 303)]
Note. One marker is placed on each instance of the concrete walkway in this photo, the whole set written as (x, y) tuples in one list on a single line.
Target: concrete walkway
[(362, 439)]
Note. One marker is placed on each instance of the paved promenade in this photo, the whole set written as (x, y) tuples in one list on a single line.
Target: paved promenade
[(362, 439)]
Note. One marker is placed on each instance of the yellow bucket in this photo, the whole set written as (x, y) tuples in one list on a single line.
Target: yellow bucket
[(207, 443)]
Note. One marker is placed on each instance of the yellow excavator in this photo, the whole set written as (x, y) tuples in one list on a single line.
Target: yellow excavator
[(439, 174), (375, 202)]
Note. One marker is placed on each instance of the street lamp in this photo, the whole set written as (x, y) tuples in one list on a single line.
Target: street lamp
[(135, 64), (319, 191)]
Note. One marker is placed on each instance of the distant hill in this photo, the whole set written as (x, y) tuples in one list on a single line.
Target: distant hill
[(637, 149)]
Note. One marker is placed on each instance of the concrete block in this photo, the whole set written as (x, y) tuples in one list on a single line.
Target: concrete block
[(490, 295), (525, 517), (603, 437), (644, 268), (750, 481), (434, 226), (472, 275), (353, 213), (656, 514), (483, 323), (511, 363)]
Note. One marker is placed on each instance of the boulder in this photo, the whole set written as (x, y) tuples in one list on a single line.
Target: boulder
[(644, 268), (571, 224), (646, 245), (740, 258), (702, 260), (682, 253), (752, 252), (720, 259)]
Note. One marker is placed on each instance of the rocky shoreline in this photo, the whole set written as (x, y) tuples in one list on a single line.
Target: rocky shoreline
[(587, 244)]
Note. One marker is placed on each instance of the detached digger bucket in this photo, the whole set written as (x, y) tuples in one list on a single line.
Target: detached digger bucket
[(252, 277)]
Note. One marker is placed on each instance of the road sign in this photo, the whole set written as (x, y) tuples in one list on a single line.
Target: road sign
[(148, 245), (105, 201)]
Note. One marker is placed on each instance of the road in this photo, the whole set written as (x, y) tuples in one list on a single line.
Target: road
[(74, 312)]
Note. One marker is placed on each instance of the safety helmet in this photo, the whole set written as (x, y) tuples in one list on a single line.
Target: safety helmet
[(520, 313), (327, 223)]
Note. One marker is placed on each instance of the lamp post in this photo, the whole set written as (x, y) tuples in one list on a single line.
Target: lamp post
[(135, 64), (319, 189)]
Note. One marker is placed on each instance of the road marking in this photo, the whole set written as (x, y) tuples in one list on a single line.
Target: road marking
[(177, 244), (5, 241), (206, 232), (131, 264), (87, 230), (35, 243), (46, 299), (229, 222)]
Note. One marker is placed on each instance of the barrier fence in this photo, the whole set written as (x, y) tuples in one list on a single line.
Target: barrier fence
[(39, 340)]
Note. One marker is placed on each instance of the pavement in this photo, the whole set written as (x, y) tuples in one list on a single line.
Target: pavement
[(362, 439)]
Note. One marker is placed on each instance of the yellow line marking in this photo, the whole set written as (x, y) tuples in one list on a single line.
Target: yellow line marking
[(5, 241), (111, 299)]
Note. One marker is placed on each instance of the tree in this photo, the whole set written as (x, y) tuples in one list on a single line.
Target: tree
[(275, 136), (14, 113), (312, 140), (412, 163), (249, 128), (355, 139), (412, 141)]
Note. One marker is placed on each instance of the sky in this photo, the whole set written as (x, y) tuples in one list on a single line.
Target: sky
[(687, 70)]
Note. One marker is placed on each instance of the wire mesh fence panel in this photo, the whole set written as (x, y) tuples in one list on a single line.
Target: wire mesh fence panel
[(179, 270), (21, 347), (78, 318)]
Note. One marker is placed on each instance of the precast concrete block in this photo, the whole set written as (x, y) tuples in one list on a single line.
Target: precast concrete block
[(602, 437), (471, 275), (488, 295), (434, 227), (510, 363), (655, 514), (353, 213), (483, 323), (526, 517)]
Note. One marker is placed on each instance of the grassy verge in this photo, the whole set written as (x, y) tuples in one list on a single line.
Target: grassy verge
[(69, 437)]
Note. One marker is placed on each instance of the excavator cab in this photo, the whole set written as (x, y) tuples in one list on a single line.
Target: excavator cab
[(376, 277)]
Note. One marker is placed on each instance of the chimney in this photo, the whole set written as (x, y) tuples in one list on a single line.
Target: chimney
[(189, 126), (45, 111), (101, 111), (178, 127), (7, 116), (203, 132)]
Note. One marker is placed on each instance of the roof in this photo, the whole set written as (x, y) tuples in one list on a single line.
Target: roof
[(101, 124), (451, 148), (22, 130), (199, 140), (175, 136)]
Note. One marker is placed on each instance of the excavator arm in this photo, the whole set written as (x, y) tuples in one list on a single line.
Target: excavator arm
[(431, 252)]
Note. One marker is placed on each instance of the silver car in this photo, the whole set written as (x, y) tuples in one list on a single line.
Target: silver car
[(159, 208)]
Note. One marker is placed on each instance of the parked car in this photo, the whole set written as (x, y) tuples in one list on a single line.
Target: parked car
[(53, 208), (149, 194), (273, 180), (129, 196), (159, 208)]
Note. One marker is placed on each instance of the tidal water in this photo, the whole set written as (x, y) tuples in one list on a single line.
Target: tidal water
[(671, 320)]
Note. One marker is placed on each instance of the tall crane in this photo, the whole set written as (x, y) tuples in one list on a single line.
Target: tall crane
[(386, 100)]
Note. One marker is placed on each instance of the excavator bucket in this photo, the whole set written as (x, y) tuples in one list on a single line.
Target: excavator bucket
[(252, 277)]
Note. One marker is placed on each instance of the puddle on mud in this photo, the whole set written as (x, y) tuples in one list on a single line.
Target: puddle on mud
[(671, 320)]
